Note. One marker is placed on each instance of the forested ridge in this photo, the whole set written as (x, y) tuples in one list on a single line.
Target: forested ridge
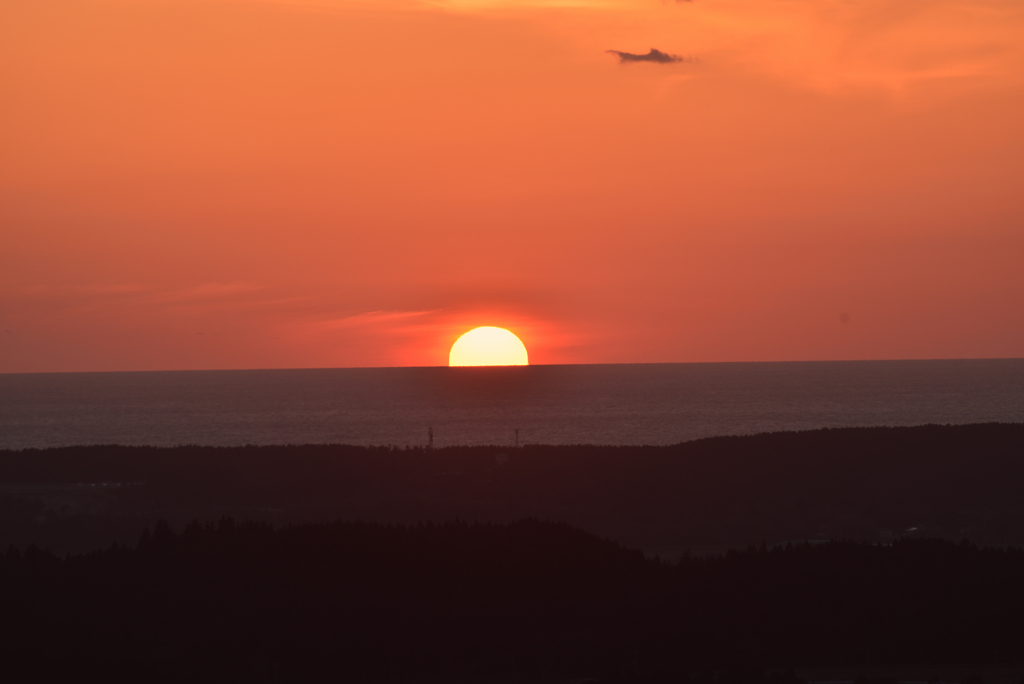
[(867, 484), (528, 600)]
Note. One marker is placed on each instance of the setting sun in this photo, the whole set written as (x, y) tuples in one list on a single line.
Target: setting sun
[(488, 346)]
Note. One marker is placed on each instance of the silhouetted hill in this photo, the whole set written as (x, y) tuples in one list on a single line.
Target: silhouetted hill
[(529, 600), (870, 484)]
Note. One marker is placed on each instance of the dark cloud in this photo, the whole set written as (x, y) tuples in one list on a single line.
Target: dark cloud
[(654, 55)]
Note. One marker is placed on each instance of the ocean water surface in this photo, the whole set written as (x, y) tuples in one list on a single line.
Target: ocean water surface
[(584, 404)]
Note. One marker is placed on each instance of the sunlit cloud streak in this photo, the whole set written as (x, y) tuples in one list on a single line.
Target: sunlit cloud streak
[(476, 6), (372, 318)]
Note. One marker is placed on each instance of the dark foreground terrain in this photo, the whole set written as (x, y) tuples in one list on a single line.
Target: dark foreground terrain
[(865, 484), (875, 550), (484, 602)]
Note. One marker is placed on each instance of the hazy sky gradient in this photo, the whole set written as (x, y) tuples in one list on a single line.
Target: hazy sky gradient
[(239, 184)]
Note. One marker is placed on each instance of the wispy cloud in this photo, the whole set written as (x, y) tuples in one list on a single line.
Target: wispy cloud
[(212, 291), (655, 55), (372, 318), (485, 5)]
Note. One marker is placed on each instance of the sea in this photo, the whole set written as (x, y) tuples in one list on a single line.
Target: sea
[(628, 404)]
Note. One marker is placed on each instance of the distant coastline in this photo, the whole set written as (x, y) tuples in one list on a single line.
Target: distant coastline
[(658, 404)]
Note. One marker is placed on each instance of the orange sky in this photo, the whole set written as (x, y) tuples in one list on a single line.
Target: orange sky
[(242, 183)]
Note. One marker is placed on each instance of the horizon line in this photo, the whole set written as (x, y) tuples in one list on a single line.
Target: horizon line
[(535, 365)]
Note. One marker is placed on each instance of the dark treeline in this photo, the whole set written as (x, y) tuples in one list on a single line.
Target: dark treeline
[(528, 600), (864, 484)]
